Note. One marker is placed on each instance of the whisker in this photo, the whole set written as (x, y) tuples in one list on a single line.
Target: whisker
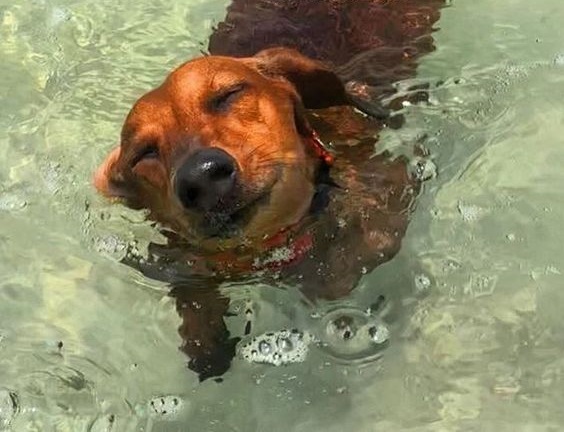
[(268, 155), (285, 161), (275, 165), (254, 150)]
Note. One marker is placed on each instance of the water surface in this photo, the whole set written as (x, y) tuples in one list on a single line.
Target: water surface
[(83, 337)]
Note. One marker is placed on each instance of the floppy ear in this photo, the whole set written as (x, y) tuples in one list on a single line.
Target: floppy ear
[(106, 178), (317, 85)]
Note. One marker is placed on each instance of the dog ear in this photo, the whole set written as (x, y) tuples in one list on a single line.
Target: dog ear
[(318, 86), (107, 179)]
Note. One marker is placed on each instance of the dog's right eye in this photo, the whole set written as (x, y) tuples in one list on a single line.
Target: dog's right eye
[(147, 153), (220, 102)]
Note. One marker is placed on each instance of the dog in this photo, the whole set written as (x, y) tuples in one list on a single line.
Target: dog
[(228, 155)]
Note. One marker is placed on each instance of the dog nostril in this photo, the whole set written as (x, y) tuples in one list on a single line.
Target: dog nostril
[(190, 195)]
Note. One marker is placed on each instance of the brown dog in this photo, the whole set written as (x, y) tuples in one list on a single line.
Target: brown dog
[(227, 155)]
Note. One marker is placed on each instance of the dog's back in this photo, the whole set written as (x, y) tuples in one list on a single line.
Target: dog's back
[(376, 42)]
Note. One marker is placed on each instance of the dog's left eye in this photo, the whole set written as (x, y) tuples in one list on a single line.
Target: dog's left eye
[(148, 152), (220, 102)]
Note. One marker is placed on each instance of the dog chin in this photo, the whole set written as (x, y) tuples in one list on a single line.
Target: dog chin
[(220, 226), (227, 224)]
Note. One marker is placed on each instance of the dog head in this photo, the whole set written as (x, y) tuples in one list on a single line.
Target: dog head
[(222, 149)]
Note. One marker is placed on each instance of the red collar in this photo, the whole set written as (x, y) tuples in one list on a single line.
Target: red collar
[(320, 149), (284, 249)]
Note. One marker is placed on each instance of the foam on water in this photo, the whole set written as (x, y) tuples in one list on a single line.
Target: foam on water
[(278, 348), (9, 408)]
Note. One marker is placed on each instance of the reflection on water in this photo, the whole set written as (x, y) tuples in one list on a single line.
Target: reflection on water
[(475, 335)]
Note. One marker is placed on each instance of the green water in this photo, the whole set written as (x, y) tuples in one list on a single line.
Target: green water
[(481, 350)]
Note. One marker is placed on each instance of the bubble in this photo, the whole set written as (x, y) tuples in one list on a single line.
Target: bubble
[(351, 335), (423, 169), (110, 244), (422, 283), (9, 408), (165, 406), (278, 348), (342, 327), (379, 333), (285, 344), (264, 347), (12, 202)]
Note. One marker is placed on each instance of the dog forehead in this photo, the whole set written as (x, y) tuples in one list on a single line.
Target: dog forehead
[(212, 73), (150, 107)]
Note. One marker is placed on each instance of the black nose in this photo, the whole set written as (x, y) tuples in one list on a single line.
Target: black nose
[(206, 179)]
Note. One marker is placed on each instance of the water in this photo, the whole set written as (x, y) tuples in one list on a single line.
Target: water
[(475, 339)]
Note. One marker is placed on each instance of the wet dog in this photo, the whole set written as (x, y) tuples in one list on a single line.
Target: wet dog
[(228, 155)]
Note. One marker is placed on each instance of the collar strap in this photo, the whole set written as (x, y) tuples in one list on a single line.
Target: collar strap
[(282, 250), (321, 149)]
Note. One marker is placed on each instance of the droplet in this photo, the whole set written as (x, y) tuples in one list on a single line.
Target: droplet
[(422, 283), (285, 345), (264, 347), (379, 333), (343, 326)]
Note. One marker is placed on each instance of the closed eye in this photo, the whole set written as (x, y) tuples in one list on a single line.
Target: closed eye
[(222, 101), (148, 152)]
